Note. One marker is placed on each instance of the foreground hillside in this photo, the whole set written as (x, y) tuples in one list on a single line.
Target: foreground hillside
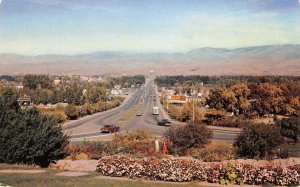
[(271, 60)]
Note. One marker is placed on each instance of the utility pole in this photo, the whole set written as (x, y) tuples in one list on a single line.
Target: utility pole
[(193, 109)]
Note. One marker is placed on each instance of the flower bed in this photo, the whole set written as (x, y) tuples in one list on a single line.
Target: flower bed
[(185, 169)]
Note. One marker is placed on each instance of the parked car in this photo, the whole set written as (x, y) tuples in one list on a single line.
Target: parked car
[(139, 113), (164, 122), (109, 129)]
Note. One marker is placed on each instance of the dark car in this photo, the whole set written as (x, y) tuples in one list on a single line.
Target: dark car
[(164, 122), (109, 129)]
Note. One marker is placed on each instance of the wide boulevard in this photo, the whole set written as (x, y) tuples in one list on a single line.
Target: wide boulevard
[(143, 99)]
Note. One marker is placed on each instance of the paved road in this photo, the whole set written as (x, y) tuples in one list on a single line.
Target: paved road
[(124, 116), (142, 100)]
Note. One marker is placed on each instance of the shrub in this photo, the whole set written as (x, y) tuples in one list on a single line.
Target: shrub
[(60, 117), (215, 151), (88, 108), (72, 112), (190, 136), (231, 122), (81, 156), (257, 140), (93, 150), (290, 128), (31, 138), (136, 135), (229, 175), (212, 114)]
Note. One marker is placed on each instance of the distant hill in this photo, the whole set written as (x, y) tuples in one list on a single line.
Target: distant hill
[(261, 60)]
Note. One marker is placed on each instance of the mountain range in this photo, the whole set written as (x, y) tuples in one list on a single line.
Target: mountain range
[(260, 60)]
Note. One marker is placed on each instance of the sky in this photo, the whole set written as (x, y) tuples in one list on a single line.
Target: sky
[(35, 27)]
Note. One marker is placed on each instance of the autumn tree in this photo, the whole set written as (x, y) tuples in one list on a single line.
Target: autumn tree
[(212, 115), (222, 98), (242, 93), (188, 111), (267, 98)]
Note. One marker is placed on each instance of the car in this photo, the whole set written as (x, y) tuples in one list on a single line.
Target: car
[(164, 122), (139, 113), (109, 129)]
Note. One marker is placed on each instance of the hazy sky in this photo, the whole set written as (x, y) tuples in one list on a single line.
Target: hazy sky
[(80, 26)]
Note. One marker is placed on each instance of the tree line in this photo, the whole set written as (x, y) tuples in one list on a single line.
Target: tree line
[(192, 80), (257, 98)]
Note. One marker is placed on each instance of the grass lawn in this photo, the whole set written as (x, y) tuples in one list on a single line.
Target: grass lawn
[(50, 179)]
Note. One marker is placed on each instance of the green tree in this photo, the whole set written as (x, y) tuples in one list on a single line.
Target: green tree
[(257, 140), (95, 93), (35, 81), (290, 128), (28, 137)]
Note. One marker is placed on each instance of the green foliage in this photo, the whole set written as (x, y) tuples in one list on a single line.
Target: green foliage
[(60, 117), (127, 81), (169, 81), (290, 128), (72, 112), (27, 136), (186, 137), (229, 175), (95, 93), (35, 81), (258, 140)]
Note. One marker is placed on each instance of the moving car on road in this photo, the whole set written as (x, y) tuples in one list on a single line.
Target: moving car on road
[(139, 113), (109, 129), (164, 122)]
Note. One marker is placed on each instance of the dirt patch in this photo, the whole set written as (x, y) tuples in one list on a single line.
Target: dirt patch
[(21, 171), (72, 174), (292, 161), (76, 165)]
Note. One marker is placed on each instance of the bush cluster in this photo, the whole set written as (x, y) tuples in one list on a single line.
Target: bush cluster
[(183, 138), (290, 128), (138, 143), (231, 122), (74, 112), (215, 151), (258, 141), (179, 170)]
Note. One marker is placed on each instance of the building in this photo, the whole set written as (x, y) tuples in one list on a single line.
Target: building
[(25, 101)]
